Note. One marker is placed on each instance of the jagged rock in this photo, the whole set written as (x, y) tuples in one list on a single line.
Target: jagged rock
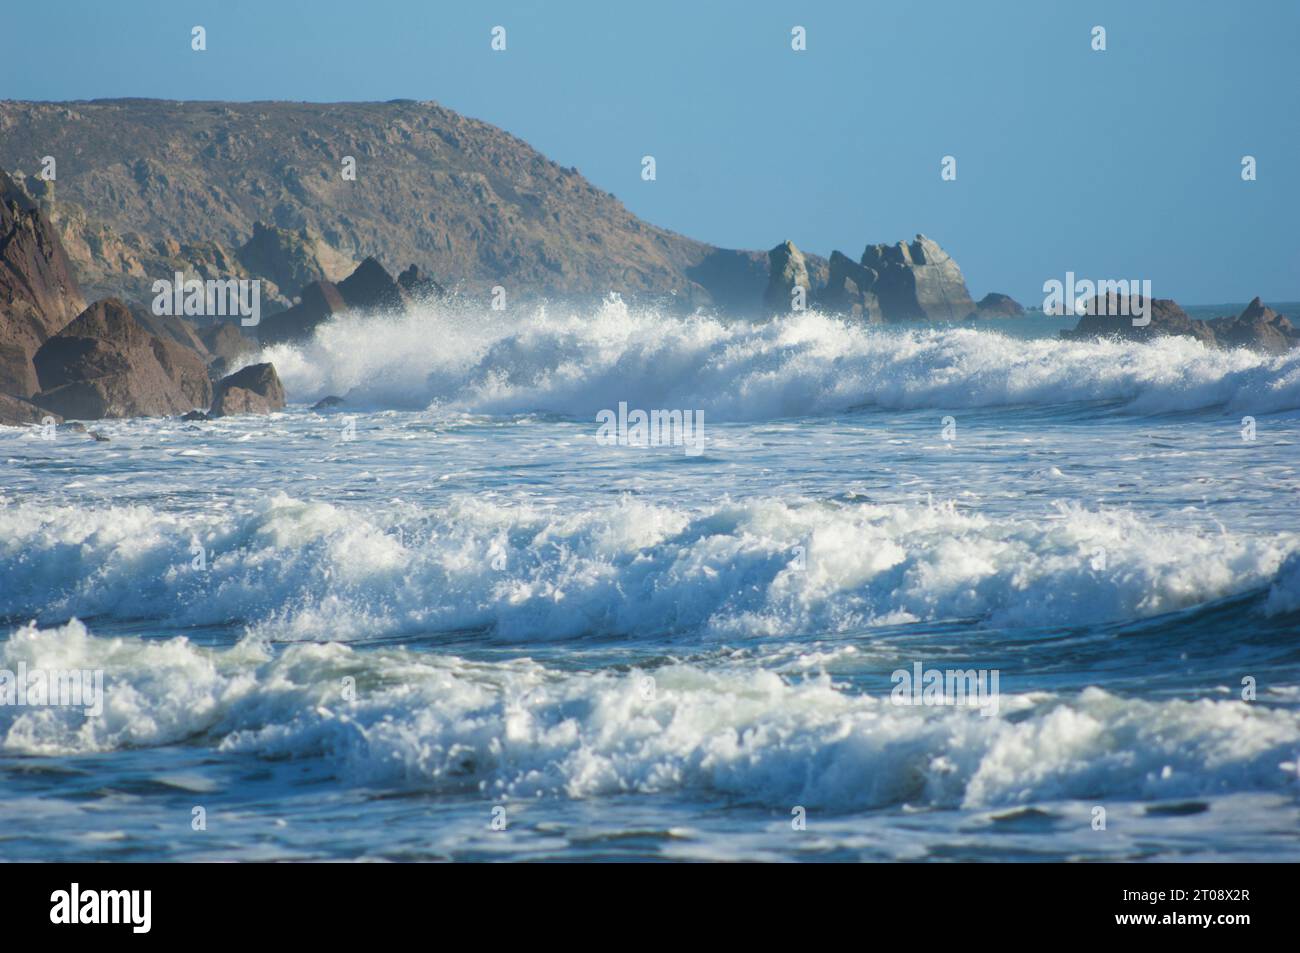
[(195, 415), (1106, 317), (917, 281), (420, 286), (17, 412), (38, 294), (36, 280), (995, 305), (255, 389), (105, 364), (327, 402), (846, 290), (1258, 327), (292, 258), (319, 301), (371, 288), (786, 271)]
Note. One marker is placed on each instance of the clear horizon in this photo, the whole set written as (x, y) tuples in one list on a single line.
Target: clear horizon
[(834, 147)]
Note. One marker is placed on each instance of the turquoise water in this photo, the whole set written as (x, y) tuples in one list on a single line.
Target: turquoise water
[(448, 606)]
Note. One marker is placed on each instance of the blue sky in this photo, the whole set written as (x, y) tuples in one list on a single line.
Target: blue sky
[(1123, 163)]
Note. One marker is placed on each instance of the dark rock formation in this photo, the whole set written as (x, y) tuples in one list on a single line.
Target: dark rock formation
[(1111, 316), (319, 301), (848, 287), (254, 390), (369, 288), (786, 271), (372, 288), (995, 305), (908, 281), (38, 294), (105, 364), (1258, 327), (325, 403)]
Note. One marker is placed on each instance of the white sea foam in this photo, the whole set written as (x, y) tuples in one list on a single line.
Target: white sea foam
[(805, 364), (299, 570), (1284, 594), (518, 729)]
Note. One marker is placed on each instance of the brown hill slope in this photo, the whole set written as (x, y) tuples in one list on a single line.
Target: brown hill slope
[(468, 202)]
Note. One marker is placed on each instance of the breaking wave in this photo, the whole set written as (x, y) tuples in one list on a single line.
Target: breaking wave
[(291, 570), (520, 730), (805, 364)]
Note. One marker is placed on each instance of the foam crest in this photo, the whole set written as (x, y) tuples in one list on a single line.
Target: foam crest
[(520, 730), (556, 361), (295, 570)]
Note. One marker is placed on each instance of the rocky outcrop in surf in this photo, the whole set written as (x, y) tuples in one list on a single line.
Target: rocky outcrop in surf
[(906, 281), (255, 389), (369, 288), (995, 305), (106, 364), (1136, 319), (1258, 327), (787, 270), (916, 281), (60, 358)]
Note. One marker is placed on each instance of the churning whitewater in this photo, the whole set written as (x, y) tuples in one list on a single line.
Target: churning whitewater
[(447, 595)]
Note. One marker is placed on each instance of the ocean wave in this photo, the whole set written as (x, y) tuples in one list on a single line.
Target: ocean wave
[(395, 718), (290, 570), (801, 365)]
